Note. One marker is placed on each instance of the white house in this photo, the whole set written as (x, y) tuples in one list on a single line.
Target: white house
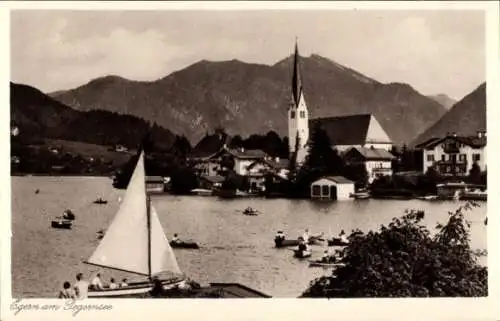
[(377, 161), (332, 188), (454, 154), (259, 169)]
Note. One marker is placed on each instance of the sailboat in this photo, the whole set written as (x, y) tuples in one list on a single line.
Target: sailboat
[(136, 243)]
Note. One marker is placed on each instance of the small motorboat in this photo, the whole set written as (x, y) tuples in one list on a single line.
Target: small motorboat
[(61, 224), (250, 211), (184, 245), (100, 201), (301, 254), (336, 241), (37, 191)]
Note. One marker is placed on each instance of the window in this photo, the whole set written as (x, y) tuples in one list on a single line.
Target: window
[(325, 190), (476, 157), (430, 158), (443, 157), (316, 190), (462, 157), (302, 114), (292, 114)]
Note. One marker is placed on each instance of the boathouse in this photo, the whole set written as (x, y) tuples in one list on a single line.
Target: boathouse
[(332, 188)]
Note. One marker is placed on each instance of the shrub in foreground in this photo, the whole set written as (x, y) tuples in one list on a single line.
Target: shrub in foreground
[(404, 260)]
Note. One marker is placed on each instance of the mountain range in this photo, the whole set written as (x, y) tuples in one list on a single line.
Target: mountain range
[(444, 100), (466, 117), (38, 116), (245, 99)]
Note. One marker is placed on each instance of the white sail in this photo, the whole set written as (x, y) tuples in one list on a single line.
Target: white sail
[(162, 258), (125, 244)]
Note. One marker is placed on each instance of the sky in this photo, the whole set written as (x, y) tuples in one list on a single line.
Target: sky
[(433, 51)]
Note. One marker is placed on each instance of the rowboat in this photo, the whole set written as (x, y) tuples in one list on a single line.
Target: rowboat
[(301, 254), (337, 242), (250, 211), (61, 224), (100, 201), (319, 263), (184, 245), (135, 242), (315, 239)]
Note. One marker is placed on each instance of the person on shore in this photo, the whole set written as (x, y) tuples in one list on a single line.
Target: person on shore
[(112, 284), (123, 283), (81, 287), (67, 292), (176, 239), (343, 237), (96, 283)]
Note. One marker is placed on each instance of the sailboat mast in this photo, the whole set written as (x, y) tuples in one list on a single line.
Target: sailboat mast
[(148, 206)]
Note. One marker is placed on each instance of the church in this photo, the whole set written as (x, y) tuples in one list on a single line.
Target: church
[(362, 131)]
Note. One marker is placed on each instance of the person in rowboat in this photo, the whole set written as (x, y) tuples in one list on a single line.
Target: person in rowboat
[(302, 245), (96, 283), (81, 287), (305, 236), (176, 239), (112, 284), (343, 237), (326, 257), (67, 292), (123, 283), (280, 237)]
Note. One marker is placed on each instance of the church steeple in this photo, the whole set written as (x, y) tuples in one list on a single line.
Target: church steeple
[(298, 115), (296, 79)]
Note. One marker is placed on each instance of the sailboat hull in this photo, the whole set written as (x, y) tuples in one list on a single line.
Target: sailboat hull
[(133, 290)]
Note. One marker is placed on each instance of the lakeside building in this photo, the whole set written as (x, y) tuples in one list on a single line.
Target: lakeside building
[(238, 160), (377, 161), (345, 132), (454, 154), (336, 188)]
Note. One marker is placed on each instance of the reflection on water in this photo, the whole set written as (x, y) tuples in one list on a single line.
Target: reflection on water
[(234, 247)]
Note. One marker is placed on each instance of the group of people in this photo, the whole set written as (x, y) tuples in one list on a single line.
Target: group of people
[(81, 287)]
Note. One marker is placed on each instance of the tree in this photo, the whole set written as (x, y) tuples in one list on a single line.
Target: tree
[(475, 174), (183, 180), (321, 156), (236, 142), (404, 260)]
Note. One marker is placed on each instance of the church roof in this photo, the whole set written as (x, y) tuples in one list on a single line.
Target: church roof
[(344, 130)]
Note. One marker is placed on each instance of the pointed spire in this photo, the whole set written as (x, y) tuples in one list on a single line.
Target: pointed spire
[(296, 80)]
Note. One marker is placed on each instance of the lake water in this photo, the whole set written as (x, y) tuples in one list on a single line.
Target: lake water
[(234, 247)]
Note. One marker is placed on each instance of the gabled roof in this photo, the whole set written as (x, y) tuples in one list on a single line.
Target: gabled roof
[(351, 130), (472, 141), (372, 153), (280, 164), (247, 153), (336, 179)]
